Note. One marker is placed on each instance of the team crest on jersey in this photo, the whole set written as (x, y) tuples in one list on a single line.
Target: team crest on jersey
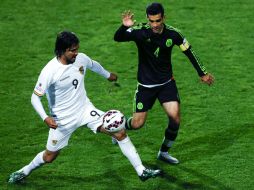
[(81, 70), (168, 42), (54, 142)]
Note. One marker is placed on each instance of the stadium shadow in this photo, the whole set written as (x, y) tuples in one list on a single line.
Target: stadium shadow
[(204, 147), (206, 182), (72, 181), (211, 143), (209, 182)]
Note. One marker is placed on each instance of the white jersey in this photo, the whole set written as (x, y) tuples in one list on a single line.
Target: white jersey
[(64, 86)]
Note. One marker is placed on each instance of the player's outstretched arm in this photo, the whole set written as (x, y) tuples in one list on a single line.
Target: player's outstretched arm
[(122, 34), (208, 79)]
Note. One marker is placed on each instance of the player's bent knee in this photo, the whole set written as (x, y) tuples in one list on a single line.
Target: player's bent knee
[(173, 125), (49, 157), (175, 121), (136, 124), (120, 135)]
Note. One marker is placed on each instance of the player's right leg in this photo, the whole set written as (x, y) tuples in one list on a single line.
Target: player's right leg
[(57, 140), (39, 160), (144, 99), (136, 121)]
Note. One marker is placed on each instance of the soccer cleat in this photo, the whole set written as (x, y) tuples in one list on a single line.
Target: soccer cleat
[(164, 156), (16, 177), (114, 141), (149, 173)]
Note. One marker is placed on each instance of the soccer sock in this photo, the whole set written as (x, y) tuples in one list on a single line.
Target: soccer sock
[(166, 145), (35, 163), (170, 136), (130, 152), (128, 123)]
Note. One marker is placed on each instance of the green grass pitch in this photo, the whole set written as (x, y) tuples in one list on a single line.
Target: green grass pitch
[(215, 144)]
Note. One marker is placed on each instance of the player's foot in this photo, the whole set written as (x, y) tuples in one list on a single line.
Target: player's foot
[(164, 156), (114, 141), (149, 173), (16, 177)]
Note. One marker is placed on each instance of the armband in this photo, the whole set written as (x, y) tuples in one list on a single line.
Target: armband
[(185, 45), (38, 94)]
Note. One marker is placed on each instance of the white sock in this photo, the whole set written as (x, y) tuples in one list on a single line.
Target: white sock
[(130, 152), (35, 163)]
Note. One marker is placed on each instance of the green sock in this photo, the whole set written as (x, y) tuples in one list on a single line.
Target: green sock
[(128, 123)]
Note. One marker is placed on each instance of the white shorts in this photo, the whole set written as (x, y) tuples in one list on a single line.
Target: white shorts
[(58, 138)]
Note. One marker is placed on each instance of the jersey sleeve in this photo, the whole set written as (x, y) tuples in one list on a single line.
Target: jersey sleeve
[(186, 48), (97, 68), (44, 81), (94, 66), (124, 33), (36, 102), (179, 39)]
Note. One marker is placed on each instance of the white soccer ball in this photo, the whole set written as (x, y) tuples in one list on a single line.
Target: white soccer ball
[(113, 121)]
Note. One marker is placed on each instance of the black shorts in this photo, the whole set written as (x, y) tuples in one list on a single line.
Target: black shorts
[(145, 97)]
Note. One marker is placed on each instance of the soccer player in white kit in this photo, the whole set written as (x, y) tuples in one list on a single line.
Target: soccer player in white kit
[(62, 80)]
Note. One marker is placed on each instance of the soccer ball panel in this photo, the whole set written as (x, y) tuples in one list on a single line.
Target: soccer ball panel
[(113, 121)]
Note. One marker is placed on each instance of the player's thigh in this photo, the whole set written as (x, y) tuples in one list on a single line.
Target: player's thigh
[(168, 93), (92, 118), (144, 99), (172, 109)]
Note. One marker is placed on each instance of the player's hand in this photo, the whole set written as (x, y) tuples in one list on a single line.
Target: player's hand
[(208, 79), (127, 18), (50, 122), (112, 77)]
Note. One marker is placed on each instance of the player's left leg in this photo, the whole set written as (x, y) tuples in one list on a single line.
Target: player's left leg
[(170, 101), (93, 118), (129, 150), (173, 112)]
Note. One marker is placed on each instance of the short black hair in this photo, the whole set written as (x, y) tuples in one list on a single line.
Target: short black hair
[(65, 40), (154, 9)]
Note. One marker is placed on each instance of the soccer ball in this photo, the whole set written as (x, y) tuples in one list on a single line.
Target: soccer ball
[(113, 121)]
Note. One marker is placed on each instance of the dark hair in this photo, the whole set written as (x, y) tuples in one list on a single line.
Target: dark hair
[(154, 9), (64, 41)]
